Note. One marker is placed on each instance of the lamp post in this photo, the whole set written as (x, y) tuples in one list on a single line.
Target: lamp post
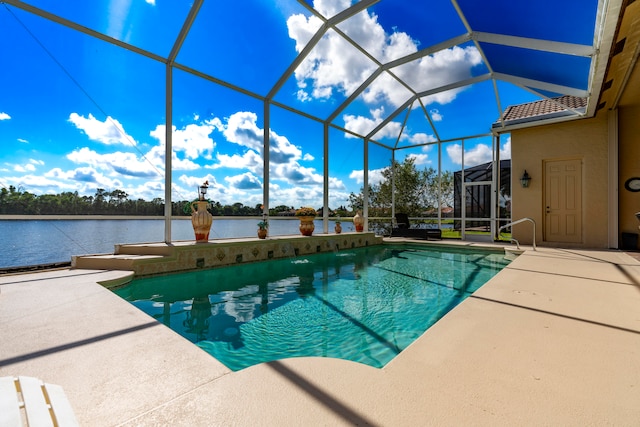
[(203, 190)]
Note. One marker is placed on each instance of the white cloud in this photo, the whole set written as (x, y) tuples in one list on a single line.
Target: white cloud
[(375, 176), (308, 157), (151, 2), (364, 125), (84, 174), (193, 140), (156, 157), (282, 151), (435, 115), (334, 65), (241, 128), (193, 182), (328, 8), (418, 138), (296, 196), (336, 184), (505, 150), (24, 168), (30, 166), (108, 132), (302, 29), (249, 160), (47, 184), (245, 181), (295, 174), (118, 163), (420, 159), (85, 180), (437, 70), (4, 116), (24, 141), (478, 155)]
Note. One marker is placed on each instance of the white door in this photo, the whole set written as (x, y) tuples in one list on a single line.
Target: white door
[(563, 197)]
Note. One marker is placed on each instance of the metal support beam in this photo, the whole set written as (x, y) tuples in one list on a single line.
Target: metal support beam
[(266, 143), (325, 182), (168, 150), (365, 201), (168, 146)]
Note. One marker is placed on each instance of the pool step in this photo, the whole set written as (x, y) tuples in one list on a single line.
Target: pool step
[(162, 249), (110, 261), (512, 253)]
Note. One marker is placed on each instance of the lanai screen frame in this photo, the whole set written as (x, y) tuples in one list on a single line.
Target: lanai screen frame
[(603, 26)]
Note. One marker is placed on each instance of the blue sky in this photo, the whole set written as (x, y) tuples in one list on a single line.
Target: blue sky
[(78, 113)]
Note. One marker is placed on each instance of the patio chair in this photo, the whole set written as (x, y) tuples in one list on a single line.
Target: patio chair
[(29, 401), (403, 228)]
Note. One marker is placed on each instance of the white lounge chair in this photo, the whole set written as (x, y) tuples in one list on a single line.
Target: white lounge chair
[(27, 399)]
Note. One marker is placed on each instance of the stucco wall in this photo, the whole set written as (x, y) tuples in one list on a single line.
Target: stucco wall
[(629, 154), (585, 139)]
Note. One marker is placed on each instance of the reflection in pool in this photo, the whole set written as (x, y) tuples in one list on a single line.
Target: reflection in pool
[(365, 305)]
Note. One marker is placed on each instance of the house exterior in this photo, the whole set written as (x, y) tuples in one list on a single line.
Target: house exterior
[(577, 195)]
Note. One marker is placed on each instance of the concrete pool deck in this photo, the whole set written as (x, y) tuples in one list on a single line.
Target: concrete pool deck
[(554, 339)]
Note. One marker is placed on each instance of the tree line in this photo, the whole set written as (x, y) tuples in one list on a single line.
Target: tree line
[(16, 202)]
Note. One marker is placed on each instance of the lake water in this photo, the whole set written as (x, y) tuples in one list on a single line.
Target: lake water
[(35, 241)]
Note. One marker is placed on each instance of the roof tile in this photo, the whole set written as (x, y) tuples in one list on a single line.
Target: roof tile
[(542, 107)]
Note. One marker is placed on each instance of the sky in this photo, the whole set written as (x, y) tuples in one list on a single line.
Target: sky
[(78, 113)]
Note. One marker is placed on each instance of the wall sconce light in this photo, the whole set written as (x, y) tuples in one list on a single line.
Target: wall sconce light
[(525, 179)]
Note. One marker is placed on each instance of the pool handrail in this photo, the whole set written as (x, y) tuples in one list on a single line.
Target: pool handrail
[(518, 222)]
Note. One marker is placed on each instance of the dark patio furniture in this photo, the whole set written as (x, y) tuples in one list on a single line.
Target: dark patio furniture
[(404, 229)]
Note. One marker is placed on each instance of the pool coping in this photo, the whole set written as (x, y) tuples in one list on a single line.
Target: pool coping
[(551, 339)]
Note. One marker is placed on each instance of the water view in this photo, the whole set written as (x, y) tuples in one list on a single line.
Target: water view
[(34, 242)]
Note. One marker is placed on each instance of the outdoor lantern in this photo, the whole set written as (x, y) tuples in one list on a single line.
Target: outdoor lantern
[(525, 179), (203, 190)]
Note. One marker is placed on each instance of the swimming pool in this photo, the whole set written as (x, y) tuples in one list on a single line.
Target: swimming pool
[(364, 305)]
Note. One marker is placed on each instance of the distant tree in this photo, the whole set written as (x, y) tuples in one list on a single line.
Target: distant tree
[(356, 201), (117, 197), (99, 200), (416, 190), (280, 208)]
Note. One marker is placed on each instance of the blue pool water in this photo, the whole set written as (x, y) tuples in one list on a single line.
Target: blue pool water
[(364, 305)]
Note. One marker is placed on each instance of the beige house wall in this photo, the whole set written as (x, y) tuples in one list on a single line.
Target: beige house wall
[(629, 153), (584, 139)]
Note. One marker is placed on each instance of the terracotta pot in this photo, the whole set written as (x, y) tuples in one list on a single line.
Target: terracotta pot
[(306, 225), (262, 233), (338, 228), (358, 221), (201, 220)]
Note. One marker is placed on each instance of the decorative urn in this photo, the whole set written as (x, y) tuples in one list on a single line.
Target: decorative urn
[(306, 216), (201, 219), (358, 221)]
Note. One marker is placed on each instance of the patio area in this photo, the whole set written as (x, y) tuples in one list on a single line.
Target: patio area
[(551, 340)]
